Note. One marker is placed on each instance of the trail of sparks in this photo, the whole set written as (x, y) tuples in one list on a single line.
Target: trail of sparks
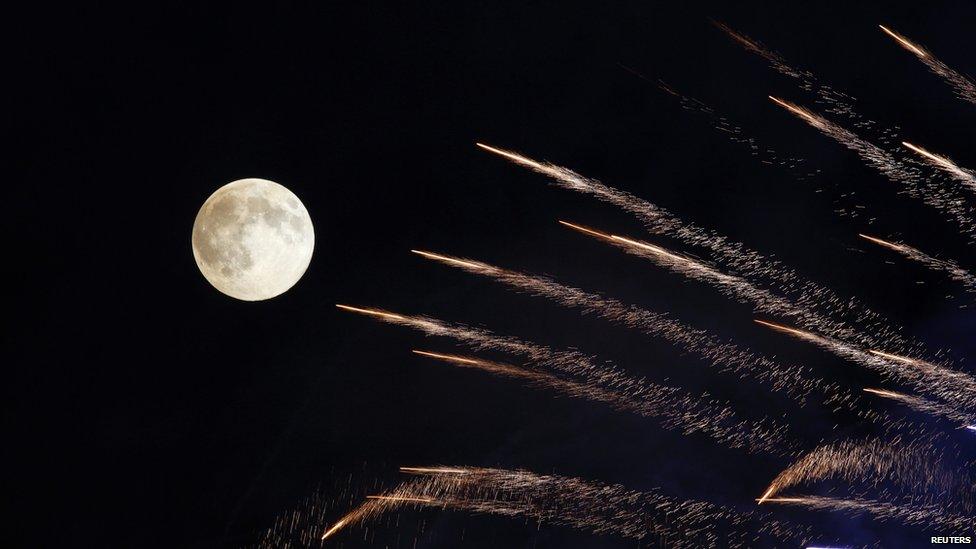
[(918, 466), (927, 517), (674, 408), (734, 256), (947, 201), (964, 88), (736, 134), (888, 162), (955, 272), (964, 176), (726, 356), (675, 411), (924, 406), (950, 386), (588, 506), (835, 102), (732, 286)]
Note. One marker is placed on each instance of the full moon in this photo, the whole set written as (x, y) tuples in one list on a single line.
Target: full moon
[(253, 239)]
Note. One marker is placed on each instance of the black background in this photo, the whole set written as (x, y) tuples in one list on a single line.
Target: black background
[(145, 409)]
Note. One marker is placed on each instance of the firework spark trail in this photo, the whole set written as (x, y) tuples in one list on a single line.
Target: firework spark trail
[(835, 102), (924, 406), (950, 386), (919, 466), (793, 380), (965, 88), (675, 412), (732, 286), (588, 506), (955, 272), (736, 134), (736, 257), (915, 184), (927, 517), (604, 383), (963, 175)]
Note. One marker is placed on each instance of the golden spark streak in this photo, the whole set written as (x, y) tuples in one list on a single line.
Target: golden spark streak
[(650, 248), (786, 500), (403, 498), (371, 312), (889, 394), (931, 156), (880, 242), (904, 42), (799, 111), (768, 493), (335, 527), (433, 470), (781, 328), (450, 358), (515, 157), (585, 230), (447, 259), (896, 358)]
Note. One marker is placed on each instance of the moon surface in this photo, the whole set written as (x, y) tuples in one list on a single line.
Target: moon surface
[(253, 239)]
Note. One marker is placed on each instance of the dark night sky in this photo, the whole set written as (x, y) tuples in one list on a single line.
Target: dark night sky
[(142, 408)]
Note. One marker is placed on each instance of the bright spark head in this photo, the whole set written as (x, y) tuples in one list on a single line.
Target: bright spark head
[(880, 242), (586, 230), (449, 358), (514, 157), (889, 356), (371, 312), (882, 392), (448, 259), (904, 42), (335, 527)]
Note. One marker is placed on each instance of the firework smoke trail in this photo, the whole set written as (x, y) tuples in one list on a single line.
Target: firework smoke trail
[(965, 88), (675, 411), (952, 387), (947, 201), (736, 257), (793, 380), (919, 466), (964, 176), (604, 383), (955, 272), (924, 406), (927, 517), (588, 506)]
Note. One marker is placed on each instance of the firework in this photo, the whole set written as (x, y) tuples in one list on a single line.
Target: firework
[(964, 176), (923, 405), (955, 272), (965, 88), (735, 133), (585, 505), (937, 380), (676, 411), (927, 517), (735, 257), (792, 379), (947, 201), (731, 286), (919, 466), (601, 383)]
